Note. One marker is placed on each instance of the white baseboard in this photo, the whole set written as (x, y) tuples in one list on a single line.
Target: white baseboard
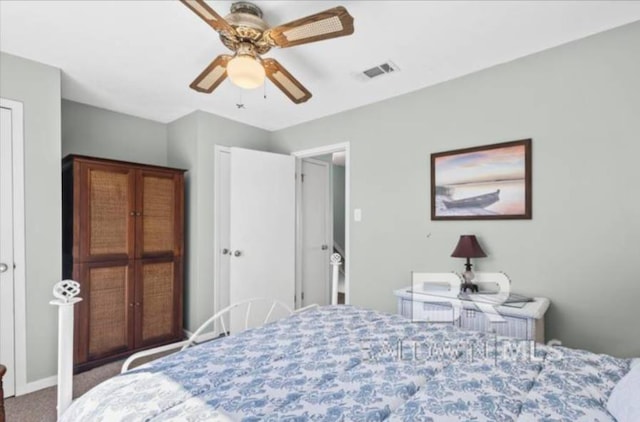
[(34, 386)]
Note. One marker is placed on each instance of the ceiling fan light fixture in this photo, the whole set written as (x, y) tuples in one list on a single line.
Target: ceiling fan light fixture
[(246, 71), (245, 33)]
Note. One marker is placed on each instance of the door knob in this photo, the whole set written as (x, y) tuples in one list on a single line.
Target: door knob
[(237, 253), (3, 267), (325, 247)]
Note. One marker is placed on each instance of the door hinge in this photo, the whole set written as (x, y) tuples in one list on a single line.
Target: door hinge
[(302, 177), (302, 295)]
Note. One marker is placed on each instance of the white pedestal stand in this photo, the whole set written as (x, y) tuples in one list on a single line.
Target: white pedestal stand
[(65, 292), (336, 261)]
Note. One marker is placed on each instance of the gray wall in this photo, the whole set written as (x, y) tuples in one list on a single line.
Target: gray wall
[(338, 181), (88, 130), (337, 174), (37, 87), (581, 105), (182, 152), (191, 142), (578, 102), (185, 143)]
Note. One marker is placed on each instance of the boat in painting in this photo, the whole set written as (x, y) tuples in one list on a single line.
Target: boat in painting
[(479, 201)]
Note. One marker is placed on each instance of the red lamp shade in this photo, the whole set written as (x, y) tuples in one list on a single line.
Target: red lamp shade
[(468, 247)]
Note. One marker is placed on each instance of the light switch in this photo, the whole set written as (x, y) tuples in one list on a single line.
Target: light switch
[(357, 214)]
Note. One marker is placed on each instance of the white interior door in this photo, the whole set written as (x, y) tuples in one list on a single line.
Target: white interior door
[(6, 252), (316, 222), (262, 229)]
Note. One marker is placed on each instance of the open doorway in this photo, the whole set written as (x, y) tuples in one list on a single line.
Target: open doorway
[(322, 223)]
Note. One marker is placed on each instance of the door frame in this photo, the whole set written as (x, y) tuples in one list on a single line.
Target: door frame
[(310, 153), (19, 273)]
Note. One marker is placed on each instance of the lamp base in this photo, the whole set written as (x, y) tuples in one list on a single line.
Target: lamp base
[(470, 286)]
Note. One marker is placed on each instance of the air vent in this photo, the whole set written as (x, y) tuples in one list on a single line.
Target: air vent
[(381, 69)]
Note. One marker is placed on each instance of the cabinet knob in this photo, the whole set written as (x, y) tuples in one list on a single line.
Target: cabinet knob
[(225, 251), (132, 213), (237, 253), (137, 303), (138, 214)]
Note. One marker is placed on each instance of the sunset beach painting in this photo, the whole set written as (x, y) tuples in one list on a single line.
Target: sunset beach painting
[(482, 183)]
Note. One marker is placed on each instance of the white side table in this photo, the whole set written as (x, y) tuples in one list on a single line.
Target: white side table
[(525, 323)]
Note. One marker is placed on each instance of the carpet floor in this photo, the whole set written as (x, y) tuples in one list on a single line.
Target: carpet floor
[(40, 406)]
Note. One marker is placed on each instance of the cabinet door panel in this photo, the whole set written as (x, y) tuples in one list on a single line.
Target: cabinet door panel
[(108, 198), (160, 204), (159, 292), (106, 312)]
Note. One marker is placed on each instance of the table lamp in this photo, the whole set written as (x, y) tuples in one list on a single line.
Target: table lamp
[(468, 247)]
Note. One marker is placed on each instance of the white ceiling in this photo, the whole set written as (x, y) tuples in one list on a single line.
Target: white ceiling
[(138, 57)]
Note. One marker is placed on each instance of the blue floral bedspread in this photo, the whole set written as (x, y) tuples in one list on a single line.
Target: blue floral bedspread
[(342, 363)]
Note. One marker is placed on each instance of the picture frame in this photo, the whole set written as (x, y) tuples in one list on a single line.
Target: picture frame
[(489, 182)]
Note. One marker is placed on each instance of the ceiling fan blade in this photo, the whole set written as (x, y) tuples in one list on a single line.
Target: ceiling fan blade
[(207, 14), (332, 23), (212, 76), (287, 83)]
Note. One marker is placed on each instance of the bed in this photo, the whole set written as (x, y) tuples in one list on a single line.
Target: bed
[(338, 363)]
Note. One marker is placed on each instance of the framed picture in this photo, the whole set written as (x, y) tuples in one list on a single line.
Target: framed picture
[(490, 182)]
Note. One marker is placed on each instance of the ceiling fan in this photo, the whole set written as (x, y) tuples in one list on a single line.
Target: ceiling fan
[(248, 36)]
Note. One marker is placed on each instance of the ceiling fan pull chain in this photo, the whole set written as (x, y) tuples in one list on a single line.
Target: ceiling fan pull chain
[(240, 104)]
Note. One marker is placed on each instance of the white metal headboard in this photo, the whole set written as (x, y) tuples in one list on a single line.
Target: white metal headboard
[(66, 291), (218, 316)]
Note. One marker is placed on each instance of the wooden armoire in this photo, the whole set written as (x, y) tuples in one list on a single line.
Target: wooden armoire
[(123, 229)]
